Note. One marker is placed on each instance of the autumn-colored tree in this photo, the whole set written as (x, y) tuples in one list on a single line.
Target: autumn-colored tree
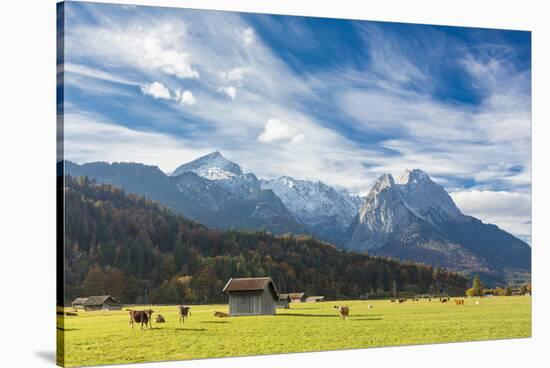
[(94, 283)]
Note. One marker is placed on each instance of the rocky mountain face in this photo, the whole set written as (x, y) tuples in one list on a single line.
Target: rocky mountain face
[(413, 218), (326, 210)]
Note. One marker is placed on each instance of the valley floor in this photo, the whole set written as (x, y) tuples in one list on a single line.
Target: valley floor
[(94, 338)]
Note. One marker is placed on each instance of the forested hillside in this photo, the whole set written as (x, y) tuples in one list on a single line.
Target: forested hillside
[(129, 246)]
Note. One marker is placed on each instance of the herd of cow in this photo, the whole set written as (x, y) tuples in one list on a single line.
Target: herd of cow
[(343, 311), (441, 300), (145, 317)]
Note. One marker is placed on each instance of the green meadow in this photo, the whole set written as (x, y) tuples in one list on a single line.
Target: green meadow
[(94, 338)]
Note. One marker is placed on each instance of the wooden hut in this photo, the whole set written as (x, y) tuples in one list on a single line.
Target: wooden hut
[(284, 301), (101, 302), (315, 299), (297, 297), (78, 303), (251, 296)]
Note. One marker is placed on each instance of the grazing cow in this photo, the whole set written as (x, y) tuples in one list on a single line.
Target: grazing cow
[(343, 311), (459, 301), (184, 313), (143, 317), (160, 319), (402, 301), (220, 314), (444, 300), (370, 306)]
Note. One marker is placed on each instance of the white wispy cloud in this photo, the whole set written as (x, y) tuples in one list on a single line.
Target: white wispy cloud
[(248, 35), (233, 75), (91, 137), (159, 47), (96, 73), (156, 90)]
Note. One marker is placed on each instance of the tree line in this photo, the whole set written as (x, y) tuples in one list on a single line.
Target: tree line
[(478, 289), (132, 248)]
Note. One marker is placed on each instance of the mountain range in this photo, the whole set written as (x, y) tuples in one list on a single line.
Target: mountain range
[(413, 218), (408, 217)]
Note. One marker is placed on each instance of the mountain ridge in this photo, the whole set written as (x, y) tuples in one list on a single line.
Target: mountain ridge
[(409, 216)]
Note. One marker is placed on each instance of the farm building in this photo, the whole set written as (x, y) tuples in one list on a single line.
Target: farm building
[(101, 302), (78, 303), (284, 301), (251, 296), (297, 297), (315, 299)]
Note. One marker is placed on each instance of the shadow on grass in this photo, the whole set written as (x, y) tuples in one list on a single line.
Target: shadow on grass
[(366, 319), (299, 308), (305, 315), (68, 329), (214, 321), (327, 315), (191, 329)]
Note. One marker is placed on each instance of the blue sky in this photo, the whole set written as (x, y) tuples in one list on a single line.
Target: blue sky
[(335, 100)]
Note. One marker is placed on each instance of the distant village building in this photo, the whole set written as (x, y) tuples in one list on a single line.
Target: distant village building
[(78, 303), (297, 297), (251, 296), (101, 302), (284, 301), (315, 299)]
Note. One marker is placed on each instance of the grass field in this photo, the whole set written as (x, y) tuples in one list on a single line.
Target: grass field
[(94, 338)]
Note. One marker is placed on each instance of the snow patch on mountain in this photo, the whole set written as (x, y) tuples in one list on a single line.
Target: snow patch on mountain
[(313, 202)]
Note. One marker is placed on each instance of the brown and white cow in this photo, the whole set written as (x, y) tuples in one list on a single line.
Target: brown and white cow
[(142, 316), (343, 311)]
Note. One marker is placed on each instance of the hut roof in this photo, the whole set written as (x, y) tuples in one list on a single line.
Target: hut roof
[(296, 295), (283, 297), (79, 301), (98, 300), (250, 284), (316, 298)]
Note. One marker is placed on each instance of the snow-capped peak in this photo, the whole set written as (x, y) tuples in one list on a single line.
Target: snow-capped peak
[(414, 176), (212, 166)]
